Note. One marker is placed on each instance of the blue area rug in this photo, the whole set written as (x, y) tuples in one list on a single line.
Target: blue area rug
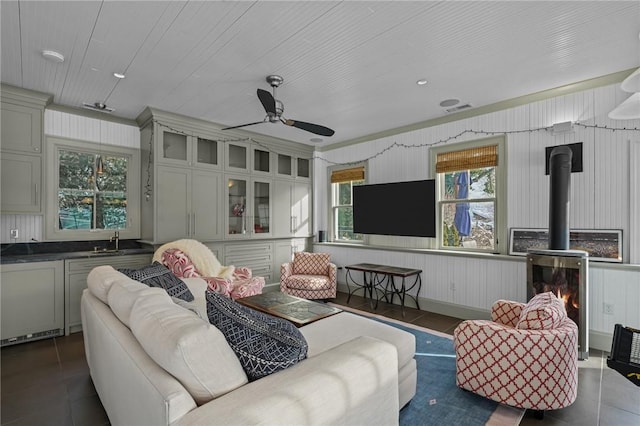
[(438, 401)]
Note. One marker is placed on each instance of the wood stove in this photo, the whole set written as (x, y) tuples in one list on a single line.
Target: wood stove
[(565, 273)]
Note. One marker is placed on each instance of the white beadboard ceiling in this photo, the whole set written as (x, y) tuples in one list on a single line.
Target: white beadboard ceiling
[(350, 65)]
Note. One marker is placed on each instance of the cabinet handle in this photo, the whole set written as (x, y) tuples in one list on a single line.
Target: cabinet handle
[(188, 224), (36, 189), (194, 224)]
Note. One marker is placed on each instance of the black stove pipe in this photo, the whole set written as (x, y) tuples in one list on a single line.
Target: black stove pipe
[(559, 189)]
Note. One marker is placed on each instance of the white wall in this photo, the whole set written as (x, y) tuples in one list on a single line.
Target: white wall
[(604, 196), (63, 124)]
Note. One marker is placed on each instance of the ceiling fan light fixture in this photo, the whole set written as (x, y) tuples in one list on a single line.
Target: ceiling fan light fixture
[(53, 56)]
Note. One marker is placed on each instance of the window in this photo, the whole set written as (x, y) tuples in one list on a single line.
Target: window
[(342, 183), (471, 190), (94, 191)]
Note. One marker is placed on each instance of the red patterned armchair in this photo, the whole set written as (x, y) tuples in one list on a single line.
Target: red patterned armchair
[(310, 276), (526, 356), (192, 259)]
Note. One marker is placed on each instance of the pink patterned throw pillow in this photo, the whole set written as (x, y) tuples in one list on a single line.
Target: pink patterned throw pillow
[(544, 311), (311, 263)]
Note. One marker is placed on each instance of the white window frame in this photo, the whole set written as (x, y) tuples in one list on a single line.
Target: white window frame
[(52, 227), (500, 242), (332, 197)]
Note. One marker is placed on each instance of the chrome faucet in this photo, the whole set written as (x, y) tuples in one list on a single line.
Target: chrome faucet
[(116, 238)]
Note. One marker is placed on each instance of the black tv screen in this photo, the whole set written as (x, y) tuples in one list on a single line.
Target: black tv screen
[(399, 208)]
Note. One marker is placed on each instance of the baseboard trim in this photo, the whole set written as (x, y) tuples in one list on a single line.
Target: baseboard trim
[(597, 339)]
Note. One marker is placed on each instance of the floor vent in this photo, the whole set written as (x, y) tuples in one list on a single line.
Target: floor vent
[(33, 336), (458, 108)]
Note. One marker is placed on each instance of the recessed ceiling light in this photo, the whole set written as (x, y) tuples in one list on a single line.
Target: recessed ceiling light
[(449, 102), (422, 82), (315, 140), (53, 56), (118, 75)]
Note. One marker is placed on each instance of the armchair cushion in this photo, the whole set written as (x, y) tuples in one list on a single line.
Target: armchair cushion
[(543, 312), (158, 275), (263, 343), (311, 263)]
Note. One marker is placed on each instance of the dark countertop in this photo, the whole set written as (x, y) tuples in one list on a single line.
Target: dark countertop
[(44, 252)]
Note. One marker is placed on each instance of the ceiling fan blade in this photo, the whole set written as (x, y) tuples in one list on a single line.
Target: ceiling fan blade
[(242, 125), (267, 100), (310, 127)]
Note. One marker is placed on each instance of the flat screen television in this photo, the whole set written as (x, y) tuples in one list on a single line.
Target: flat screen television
[(399, 208)]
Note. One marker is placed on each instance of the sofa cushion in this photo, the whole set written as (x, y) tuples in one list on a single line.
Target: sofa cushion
[(100, 280), (543, 312), (190, 349), (263, 343), (311, 263), (158, 275), (124, 293)]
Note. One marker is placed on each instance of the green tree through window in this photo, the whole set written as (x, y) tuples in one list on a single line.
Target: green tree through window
[(88, 199)]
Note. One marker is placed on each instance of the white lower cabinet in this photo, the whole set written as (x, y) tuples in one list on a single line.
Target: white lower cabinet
[(32, 301), (76, 272), (258, 256)]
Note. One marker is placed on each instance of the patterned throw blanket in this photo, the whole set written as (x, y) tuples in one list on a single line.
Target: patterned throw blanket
[(200, 255)]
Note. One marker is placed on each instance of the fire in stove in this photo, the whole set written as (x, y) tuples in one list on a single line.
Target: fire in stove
[(564, 273)]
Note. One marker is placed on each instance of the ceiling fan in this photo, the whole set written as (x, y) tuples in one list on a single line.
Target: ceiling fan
[(274, 109)]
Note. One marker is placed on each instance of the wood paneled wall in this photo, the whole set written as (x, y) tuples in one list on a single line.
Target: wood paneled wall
[(606, 195)]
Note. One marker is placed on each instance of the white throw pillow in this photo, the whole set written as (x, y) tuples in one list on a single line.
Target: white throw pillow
[(193, 351), (100, 280), (123, 294), (198, 288)]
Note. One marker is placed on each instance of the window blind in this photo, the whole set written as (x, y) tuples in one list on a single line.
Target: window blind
[(467, 159), (347, 175)]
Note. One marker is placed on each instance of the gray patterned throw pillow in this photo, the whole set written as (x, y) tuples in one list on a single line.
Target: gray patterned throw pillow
[(158, 275), (263, 343)]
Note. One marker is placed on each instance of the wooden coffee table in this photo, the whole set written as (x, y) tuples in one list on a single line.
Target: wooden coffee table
[(297, 310)]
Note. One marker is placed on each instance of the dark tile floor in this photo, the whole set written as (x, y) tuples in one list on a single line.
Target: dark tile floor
[(47, 382)]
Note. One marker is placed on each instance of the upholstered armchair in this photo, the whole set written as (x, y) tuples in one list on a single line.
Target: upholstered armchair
[(190, 258), (526, 356), (310, 275)]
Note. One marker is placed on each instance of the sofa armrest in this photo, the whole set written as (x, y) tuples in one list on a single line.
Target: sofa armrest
[(506, 312), (354, 383)]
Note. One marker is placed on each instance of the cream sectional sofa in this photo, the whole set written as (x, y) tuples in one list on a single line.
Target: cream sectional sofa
[(155, 362)]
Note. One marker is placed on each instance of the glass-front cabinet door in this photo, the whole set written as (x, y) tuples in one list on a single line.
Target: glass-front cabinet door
[(236, 217), (248, 207), (237, 154), (261, 207), (175, 148), (186, 150), (207, 153), (303, 168), (261, 161), (284, 165)]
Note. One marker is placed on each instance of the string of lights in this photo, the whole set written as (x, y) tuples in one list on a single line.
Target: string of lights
[(395, 145)]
